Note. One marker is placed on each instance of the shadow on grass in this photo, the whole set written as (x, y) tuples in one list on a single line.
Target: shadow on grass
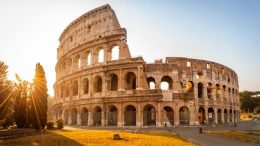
[(47, 139)]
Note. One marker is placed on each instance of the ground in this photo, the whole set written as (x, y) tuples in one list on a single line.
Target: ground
[(98, 138)]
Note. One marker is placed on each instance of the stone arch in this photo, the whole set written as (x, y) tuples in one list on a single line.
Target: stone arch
[(66, 117), (166, 83), (89, 59), (113, 86), (115, 53), (202, 115), (211, 115), (101, 55), (112, 116), (190, 86), (200, 90), (219, 116), (199, 75), (85, 86), (209, 90), (184, 115), (130, 81), (84, 116), (98, 83), (97, 116), (230, 115), (151, 83), (73, 116), (149, 115), (77, 62), (75, 89), (168, 115), (130, 115)]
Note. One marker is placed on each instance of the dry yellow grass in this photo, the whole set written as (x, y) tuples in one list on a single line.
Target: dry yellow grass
[(250, 136), (99, 138)]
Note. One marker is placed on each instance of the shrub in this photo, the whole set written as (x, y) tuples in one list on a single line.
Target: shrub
[(59, 123), (50, 125)]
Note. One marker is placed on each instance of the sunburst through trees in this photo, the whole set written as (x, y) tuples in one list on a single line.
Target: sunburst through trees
[(23, 102)]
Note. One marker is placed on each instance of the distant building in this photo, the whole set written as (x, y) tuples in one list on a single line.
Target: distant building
[(98, 83)]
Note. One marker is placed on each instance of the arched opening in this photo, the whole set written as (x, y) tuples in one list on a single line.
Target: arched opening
[(166, 83), (66, 117), (73, 116), (209, 90), (229, 92), (115, 53), (98, 84), (211, 115), (200, 76), (89, 59), (201, 116), (113, 82), (77, 62), (75, 88), (101, 55), (225, 116), (84, 116), (130, 81), (130, 116), (62, 91), (151, 82), (85, 86), (112, 116), (184, 115), (200, 90), (168, 115), (149, 116), (219, 116), (97, 115), (189, 86), (69, 66)]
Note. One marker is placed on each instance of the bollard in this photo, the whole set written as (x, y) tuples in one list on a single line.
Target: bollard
[(200, 131)]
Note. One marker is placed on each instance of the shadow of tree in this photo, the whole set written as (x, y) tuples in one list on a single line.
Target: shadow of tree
[(49, 139)]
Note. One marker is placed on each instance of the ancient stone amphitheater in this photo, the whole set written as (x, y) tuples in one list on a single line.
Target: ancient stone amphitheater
[(98, 83)]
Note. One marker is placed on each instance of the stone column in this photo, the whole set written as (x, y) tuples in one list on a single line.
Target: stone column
[(69, 117), (159, 113), (233, 121), (222, 116), (228, 116), (176, 116), (216, 115), (103, 120), (139, 119), (90, 119), (120, 80), (139, 86), (120, 121), (78, 116)]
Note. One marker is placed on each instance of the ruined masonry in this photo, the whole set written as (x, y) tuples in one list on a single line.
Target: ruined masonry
[(98, 83)]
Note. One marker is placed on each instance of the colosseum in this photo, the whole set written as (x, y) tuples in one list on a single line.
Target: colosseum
[(99, 83)]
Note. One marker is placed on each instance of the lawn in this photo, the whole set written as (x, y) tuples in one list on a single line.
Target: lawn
[(98, 138), (250, 136)]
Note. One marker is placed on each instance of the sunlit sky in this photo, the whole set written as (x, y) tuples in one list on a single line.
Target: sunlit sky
[(227, 32)]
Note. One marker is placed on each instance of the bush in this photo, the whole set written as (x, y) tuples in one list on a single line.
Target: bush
[(50, 125), (59, 123)]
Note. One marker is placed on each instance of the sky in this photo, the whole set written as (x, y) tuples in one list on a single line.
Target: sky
[(227, 32)]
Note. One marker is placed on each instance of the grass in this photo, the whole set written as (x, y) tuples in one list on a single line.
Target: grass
[(99, 138), (250, 136)]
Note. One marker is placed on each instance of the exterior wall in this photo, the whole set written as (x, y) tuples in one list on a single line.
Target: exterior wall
[(99, 93)]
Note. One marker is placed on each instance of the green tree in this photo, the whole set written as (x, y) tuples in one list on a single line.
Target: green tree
[(39, 98), (6, 97), (249, 100)]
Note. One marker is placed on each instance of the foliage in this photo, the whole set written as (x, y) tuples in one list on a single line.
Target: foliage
[(39, 98), (100, 138), (60, 123), (249, 100), (6, 100), (50, 125)]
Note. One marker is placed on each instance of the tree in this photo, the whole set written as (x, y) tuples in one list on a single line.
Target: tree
[(6, 100), (39, 98), (249, 100)]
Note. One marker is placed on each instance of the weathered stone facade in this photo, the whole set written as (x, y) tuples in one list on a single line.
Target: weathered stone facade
[(97, 87)]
